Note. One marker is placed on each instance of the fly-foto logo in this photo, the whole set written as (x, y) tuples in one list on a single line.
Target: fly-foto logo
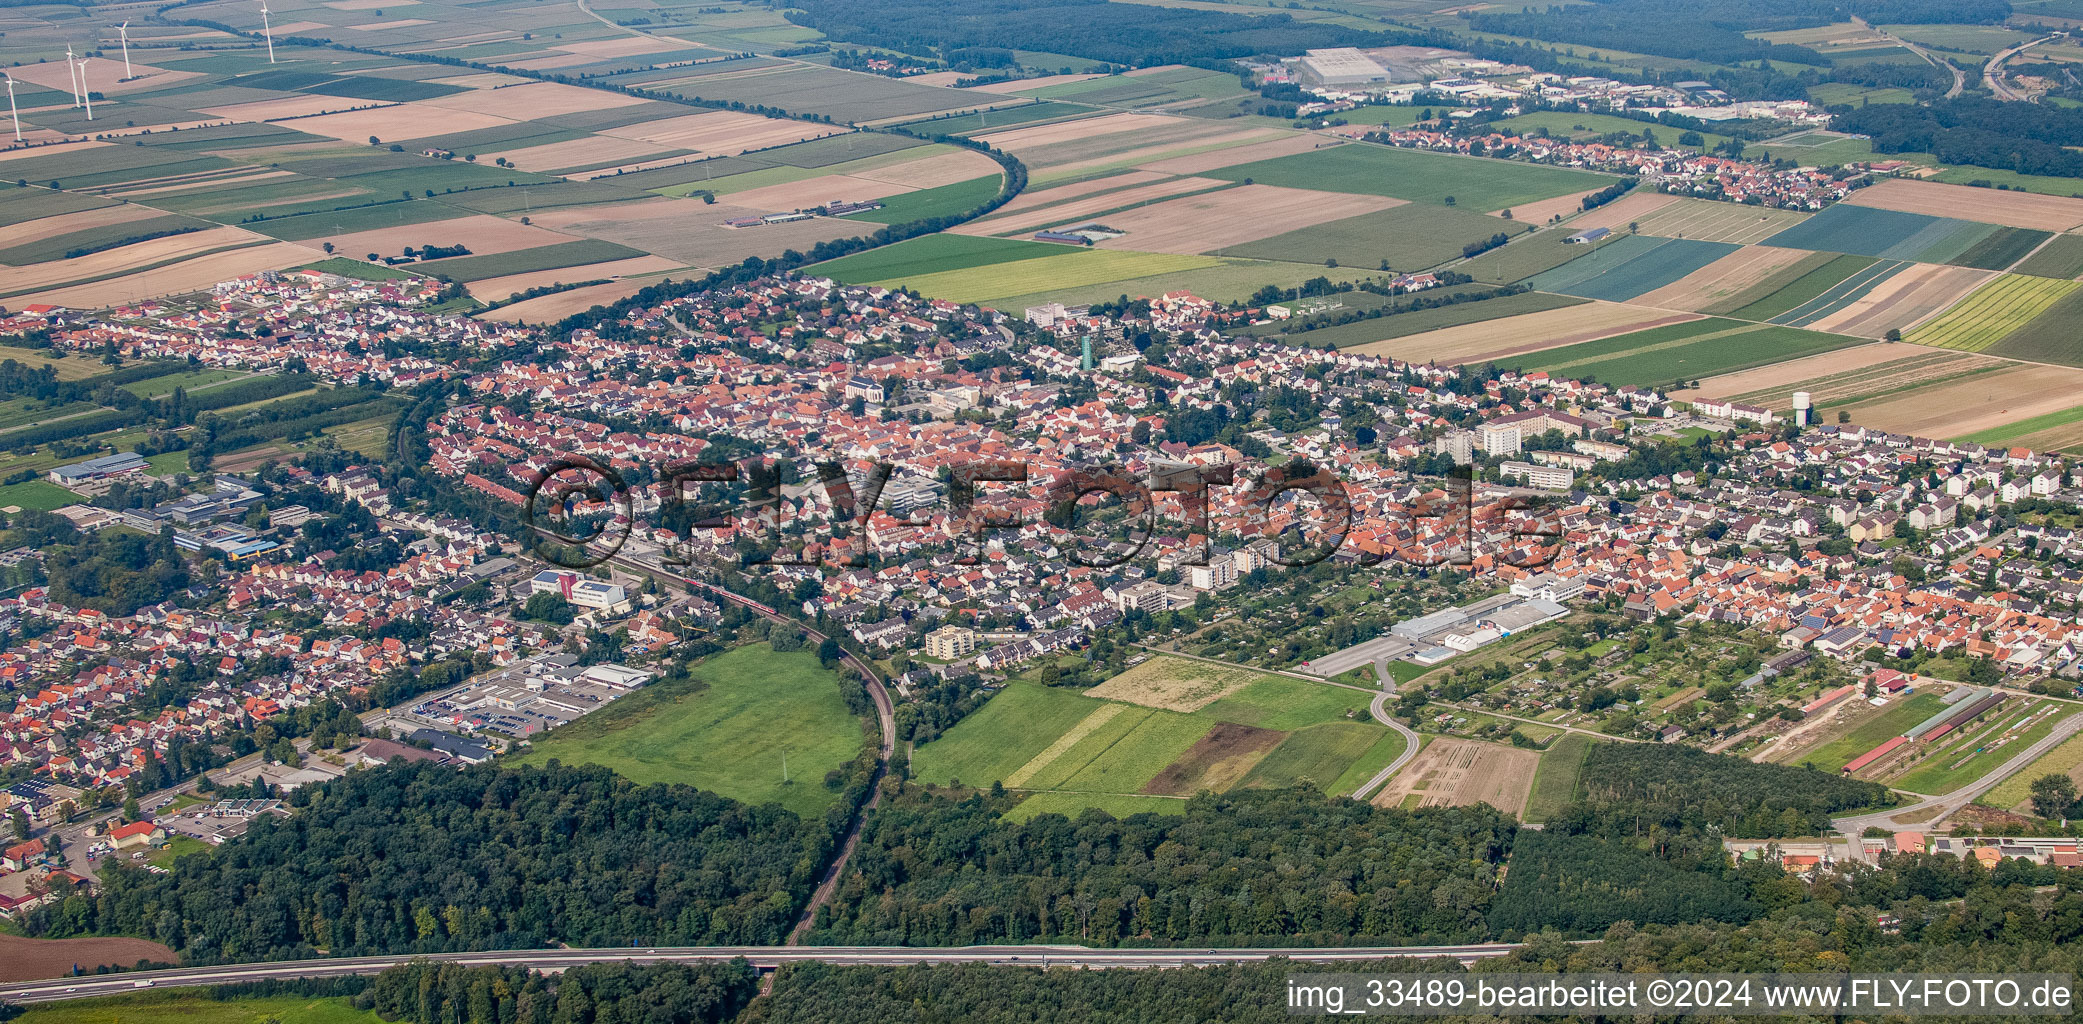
[(580, 512)]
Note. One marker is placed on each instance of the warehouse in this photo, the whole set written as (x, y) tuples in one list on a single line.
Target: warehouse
[(1342, 68)]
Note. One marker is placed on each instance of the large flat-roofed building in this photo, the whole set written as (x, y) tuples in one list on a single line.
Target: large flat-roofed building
[(1343, 68), (98, 469)]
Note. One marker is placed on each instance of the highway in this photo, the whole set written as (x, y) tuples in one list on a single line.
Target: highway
[(765, 957), (1992, 72)]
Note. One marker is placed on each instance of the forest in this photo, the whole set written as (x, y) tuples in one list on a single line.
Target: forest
[(1678, 786), (423, 858), (2029, 138), (1285, 867), (1580, 885), (1134, 35), (1714, 32)]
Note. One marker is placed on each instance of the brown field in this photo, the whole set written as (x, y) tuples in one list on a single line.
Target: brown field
[(2067, 438), (1988, 205), (26, 959), (45, 227), (493, 289), (669, 160), (1198, 163), (1027, 84), (547, 308), (137, 254), (801, 195), (1233, 216), (295, 27), (1903, 301), (534, 100), (942, 78), (1527, 332), (933, 171), (1215, 761), (1712, 222), (1982, 402), (193, 275), (1041, 197), (1538, 211), (197, 186), (575, 153), (1022, 140), (103, 76), (70, 147), (1722, 278), (1175, 684), (619, 46), (398, 122), (1809, 373), (480, 80), (287, 106), (1071, 212), (385, 26), (1619, 212), (482, 234), (1458, 773), (1191, 138), (722, 131), (692, 232)]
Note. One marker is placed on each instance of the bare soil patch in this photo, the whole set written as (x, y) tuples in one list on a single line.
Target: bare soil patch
[(1788, 375), (1460, 773), (26, 959), (1618, 213), (1982, 402), (103, 76), (722, 131), (1517, 335), (1233, 216), (1215, 761), (399, 122), (532, 101), (1988, 205), (1199, 163), (45, 227), (1722, 278), (1904, 300)]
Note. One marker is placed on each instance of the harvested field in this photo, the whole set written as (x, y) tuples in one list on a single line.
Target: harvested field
[(1617, 214), (1902, 301), (298, 106), (1630, 267), (64, 224), (1195, 163), (1722, 279), (137, 254), (691, 231), (1072, 212), (1063, 193), (1517, 335), (550, 308), (620, 46), (193, 275), (1846, 376), (104, 75), (200, 186), (1540, 211), (1216, 761), (723, 131), (26, 959), (1074, 268), (934, 171), (1188, 141), (1175, 684), (1018, 85), (575, 153), (481, 234), (1984, 401), (1988, 205), (1020, 141), (1716, 222), (2006, 303), (802, 195), (397, 122), (1460, 773), (1232, 216)]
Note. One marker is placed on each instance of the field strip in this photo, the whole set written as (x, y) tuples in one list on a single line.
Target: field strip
[(1839, 292), (2045, 242), (1568, 369), (1085, 727)]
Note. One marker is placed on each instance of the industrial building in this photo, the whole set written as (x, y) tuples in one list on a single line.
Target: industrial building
[(1343, 68)]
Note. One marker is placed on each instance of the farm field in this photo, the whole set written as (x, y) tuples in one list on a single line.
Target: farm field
[(932, 254), (194, 1007), (1555, 783), (1985, 746), (1630, 267), (1071, 269), (726, 731), (1885, 234), (1687, 351), (1319, 755), (1225, 218), (1175, 684), (1992, 311), (1504, 337), (1846, 376), (2051, 432), (1722, 279), (1419, 321), (2051, 337), (1284, 702), (1069, 205), (2061, 257), (1455, 772), (1841, 294), (2066, 759), (27, 959), (1790, 287), (1228, 280), (1473, 183), (1899, 301), (1708, 221), (1412, 237), (1970, 405), (1992, 206)]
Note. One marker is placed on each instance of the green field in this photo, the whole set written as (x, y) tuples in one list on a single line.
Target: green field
[(999, 120), (1629, 267), (1072, 268), (2062, 257), (2001, 249), (524, 261), (1319, 755), (192, 1007), (1528, 256), (1406, 238), (726, 730), (1992, 311), (998, 738), (2043, 184), (36, 494), (1474, 183), (2050, 337), (925, 204), (1588, 127), (1284, 702), (1791, 286), (1952, 767), (1071, 805), (1873, 732), (156, 387), (1689, 351), (1383, 753), (932, 254), (1418, 321), (2018, 788), (1555, 781), (2012, 431)]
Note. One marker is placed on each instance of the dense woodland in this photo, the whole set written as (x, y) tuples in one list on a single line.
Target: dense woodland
[(1714, 32), (1129, 34), (2029, 138), (1638, 784), (423, 858)]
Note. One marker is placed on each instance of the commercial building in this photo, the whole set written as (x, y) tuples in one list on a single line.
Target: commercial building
[(119, 464), (1343, 68)]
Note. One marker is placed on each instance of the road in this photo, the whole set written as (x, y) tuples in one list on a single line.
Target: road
[(1380, 710), (1959, 77), (1992, 72), (1936, 808), (885, 714), (765, 957)]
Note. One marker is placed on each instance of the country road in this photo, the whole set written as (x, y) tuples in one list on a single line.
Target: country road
[(1380, 710), (765, 957)]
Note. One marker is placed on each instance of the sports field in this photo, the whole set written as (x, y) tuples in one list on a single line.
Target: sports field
[(1992, 311), (1630, 267), (726, 730), (1472, 183)]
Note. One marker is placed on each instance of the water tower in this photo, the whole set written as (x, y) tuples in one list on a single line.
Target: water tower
[(1802, 408)]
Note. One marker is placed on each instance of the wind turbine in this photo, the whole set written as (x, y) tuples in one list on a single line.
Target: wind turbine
[(12, 111), (72, 75), (267, 31), (125, 30), (84, 94)]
